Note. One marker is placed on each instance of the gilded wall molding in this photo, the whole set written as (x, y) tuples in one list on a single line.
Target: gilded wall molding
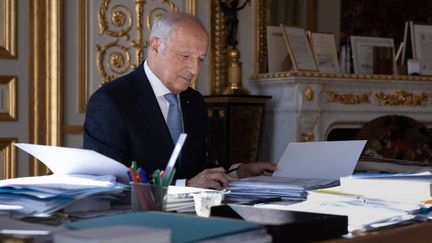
[(8, 155), (8, 98), (351, 76), (8, 29), (45, 77), (123, 31), (262, 20), (219, 53), (347, 99), (83, 55), (402, 97)]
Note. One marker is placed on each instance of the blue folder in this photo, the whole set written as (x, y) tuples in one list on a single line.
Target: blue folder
[(184, 228)]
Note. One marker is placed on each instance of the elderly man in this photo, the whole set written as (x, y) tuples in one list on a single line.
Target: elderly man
[(139, 116)]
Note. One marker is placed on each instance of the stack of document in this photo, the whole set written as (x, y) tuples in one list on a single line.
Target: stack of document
[(394, 187), (82, 180), (180, 198), (44, 195), (302, 167), (252, 188)]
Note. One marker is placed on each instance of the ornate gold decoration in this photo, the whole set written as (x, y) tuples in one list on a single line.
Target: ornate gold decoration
[(10, 98), (114, 66), (118, 18), (308, 94), (8, 155), (261, 76), (8, 26), (116, 9), (119, 60), (306, 137), (348, 99), (218, 57), (234, 75), (45, 76), (262, 20), (83, 82), (402, 97)]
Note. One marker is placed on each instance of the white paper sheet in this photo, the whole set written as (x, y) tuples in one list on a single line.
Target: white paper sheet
[(320, 160), (62, 160)]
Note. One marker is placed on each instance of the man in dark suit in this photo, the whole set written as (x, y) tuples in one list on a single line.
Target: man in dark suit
[(127, 118)]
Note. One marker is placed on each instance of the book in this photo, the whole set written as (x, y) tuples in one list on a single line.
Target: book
[(392, 187), (114, 234), (184, 228)]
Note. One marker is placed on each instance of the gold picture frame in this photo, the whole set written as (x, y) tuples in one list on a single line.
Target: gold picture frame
[(8, 26), (8, 98), (8, 158)]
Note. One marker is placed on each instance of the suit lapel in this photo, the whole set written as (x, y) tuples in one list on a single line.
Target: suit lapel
[(150, 107)]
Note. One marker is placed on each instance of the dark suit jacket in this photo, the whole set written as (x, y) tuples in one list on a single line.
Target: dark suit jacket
[(124, 122)]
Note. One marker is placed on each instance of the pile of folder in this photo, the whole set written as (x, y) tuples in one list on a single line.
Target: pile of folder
[(45, 195)]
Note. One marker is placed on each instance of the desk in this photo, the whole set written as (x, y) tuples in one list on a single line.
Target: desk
[(418, 233)]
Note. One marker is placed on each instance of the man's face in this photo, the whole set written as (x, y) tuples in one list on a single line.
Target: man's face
[(178, 65)]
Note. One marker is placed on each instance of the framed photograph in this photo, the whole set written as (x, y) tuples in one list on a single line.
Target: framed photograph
[(421, 37), (299, 49), (278, 56), (8, 98), (373, 55), (325, 51)]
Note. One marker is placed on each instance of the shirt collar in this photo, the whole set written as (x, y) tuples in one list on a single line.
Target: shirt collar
[(158, 87)]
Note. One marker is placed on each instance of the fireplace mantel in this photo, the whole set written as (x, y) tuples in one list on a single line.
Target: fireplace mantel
[(306, 106)]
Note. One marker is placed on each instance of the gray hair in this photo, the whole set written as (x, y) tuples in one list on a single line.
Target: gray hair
[(164, 25)]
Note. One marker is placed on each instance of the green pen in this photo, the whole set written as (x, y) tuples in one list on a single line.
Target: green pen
[(134, 165), (156, 177), (167, 179)]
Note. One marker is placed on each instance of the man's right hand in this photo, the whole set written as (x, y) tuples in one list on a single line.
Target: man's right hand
[(214, 178)]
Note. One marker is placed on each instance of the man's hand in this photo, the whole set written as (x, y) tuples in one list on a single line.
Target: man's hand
[(214, 178), (256, 169)]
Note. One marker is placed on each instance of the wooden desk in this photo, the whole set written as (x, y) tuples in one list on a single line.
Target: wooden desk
[(417, 232), (234, 127)]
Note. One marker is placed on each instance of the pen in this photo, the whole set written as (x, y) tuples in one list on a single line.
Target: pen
[(143, 175), (264, 200), (232, 170)]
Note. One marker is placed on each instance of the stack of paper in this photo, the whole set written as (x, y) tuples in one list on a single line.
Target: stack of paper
[(252, 188), (44, 195), (302, 167), (393, 187), (83, 180), (180, 198)]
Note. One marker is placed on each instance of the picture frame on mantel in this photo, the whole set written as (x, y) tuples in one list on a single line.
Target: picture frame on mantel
[(278, 55), (299, 49), (325, 51), (421, 37), (368, 53)]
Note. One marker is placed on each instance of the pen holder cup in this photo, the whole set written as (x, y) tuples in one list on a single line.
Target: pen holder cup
[(145, 197)]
